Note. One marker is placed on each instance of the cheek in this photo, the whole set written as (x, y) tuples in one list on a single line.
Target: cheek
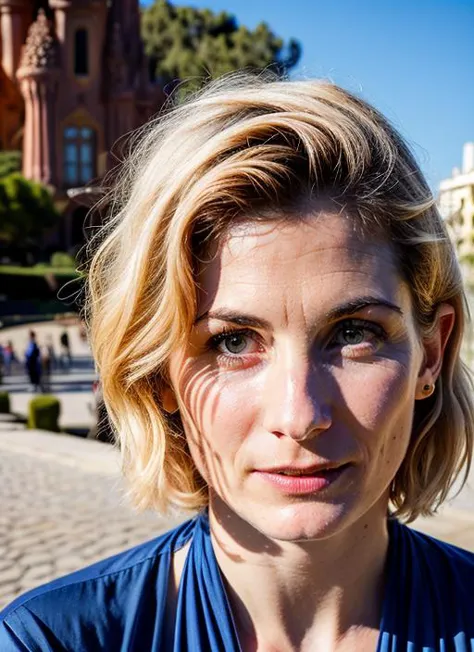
[(382, 404), (218, 416), (378, 392)]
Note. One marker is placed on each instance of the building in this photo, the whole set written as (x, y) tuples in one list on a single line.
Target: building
[(456, 204), (73, 80)]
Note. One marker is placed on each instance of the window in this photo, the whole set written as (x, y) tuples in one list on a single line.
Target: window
[(79, 155), (81, 52)]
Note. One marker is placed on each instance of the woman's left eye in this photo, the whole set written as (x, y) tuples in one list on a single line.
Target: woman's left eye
[(353, 332)]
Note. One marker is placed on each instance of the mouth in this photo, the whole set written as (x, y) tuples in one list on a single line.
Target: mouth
[(314, 469), (303, 480)]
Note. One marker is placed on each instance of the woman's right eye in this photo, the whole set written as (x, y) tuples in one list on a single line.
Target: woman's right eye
[(234, 344)]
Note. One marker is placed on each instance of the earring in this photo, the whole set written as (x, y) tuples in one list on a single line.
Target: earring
[(428, 389)]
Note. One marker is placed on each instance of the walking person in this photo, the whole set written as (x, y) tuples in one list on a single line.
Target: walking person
[(65, 355), (277, 313), (47, 360), (33, 362), (9, 357)]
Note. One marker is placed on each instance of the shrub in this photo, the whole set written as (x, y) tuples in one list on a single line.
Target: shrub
[(27, 210), (4, 403), (62, 259), (10, 161), (43, 413)]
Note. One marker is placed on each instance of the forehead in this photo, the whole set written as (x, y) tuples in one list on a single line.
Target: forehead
[(318, 258)]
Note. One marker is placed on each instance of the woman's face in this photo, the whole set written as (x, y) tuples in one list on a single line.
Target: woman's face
[(298, 383)]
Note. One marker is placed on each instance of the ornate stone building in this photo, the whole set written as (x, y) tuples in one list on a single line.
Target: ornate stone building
[(73, 80)]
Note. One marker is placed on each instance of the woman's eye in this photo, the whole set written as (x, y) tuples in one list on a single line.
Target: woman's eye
[(353, 333), (235, 344), (352, 336)]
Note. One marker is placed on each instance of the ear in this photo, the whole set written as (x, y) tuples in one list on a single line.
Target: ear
[(168, 400), (434, 347)]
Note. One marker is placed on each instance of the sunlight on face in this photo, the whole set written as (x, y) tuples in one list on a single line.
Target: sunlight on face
[(297, 385)]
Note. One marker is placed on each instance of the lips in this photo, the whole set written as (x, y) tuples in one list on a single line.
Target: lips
[(299, 480), (292, 470)]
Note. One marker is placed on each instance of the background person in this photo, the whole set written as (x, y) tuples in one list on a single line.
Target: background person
[(9, 357), (47, 362), (33, 362), (65, 355), (276, 313)]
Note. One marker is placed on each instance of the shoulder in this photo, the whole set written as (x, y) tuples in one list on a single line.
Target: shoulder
[(438, 576), (442, 555), (101, 603)]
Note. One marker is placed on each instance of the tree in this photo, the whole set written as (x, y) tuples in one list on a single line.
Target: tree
[(9, 162), (26, 210), (188, 44)]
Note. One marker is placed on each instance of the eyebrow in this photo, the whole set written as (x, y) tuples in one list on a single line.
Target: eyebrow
[(355, 305), (344, 309), (234, 317)]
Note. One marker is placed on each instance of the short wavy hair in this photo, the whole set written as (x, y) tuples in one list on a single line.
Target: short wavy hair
[(244, 145)]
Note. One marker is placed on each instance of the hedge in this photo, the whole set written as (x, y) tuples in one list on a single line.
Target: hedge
[(43, 413), (4, 403)]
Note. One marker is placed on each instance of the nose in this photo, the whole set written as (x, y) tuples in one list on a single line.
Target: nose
[(296, 398)]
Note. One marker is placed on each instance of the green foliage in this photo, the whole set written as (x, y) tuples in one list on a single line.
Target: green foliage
[(62, 259), (43, 413), (40, 269), (4, 403), (26, 210), (185, 42), (468, 258), (9, 162)]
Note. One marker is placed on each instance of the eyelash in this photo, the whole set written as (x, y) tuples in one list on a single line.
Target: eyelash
[(378, 332), (361, 324), (215, 340)]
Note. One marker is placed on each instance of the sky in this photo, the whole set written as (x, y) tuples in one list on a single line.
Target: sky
[(412, 59)]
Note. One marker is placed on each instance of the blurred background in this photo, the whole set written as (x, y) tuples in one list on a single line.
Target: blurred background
[(76, 77)]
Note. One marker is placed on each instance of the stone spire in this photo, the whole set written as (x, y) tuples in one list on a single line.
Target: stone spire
[(38, 73), (41, 50)]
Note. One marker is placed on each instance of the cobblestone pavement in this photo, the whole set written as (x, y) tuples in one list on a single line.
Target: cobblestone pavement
[(63, 508), (57, 517)]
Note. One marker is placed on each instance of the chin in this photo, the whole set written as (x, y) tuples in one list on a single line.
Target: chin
[(301, 521)]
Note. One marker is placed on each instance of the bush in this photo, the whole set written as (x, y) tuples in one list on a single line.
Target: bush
[(27, 211), (10, 161), (30, 283), (43, 413), (4, 403), (62, 259)]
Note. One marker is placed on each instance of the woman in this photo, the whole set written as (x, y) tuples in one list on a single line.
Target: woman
[(276, 312)]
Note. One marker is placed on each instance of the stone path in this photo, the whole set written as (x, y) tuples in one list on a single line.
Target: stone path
[(61, 512)]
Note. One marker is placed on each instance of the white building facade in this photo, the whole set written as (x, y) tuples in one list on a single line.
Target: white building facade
[(456, 205)]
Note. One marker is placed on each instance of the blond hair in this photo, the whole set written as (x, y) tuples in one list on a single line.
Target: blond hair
[(243, 145)]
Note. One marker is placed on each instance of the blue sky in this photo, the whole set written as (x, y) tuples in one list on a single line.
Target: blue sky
[(413, 59)]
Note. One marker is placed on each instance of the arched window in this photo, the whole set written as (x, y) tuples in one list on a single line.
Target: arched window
[(81, 52), (79, 155)]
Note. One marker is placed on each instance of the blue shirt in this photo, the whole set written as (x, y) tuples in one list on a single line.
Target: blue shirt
[(119, 605)]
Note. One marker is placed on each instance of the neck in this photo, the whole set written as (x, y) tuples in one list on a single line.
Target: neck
[(302, 595)]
